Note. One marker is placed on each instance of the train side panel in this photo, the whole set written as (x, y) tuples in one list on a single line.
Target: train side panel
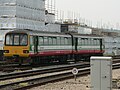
[(87, 47), (50, 48), (47, 47)]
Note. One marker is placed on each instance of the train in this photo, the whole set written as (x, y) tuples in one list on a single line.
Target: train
[(35, 47)]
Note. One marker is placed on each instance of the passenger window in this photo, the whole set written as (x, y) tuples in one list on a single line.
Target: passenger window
[(45, 40), (79, 41), (69, 41), (40, 40), (66, 41), (86, 41), (98, 42), (94, 41), (54, 41), (62, 41), (50, 40), (82, 41), (58, 40), (89, 41)]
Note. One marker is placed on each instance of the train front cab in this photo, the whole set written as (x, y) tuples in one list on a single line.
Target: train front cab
[(16, 47)]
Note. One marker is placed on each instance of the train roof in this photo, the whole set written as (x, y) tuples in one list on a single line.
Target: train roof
[(44, 33), (87, 36), (40, 33)]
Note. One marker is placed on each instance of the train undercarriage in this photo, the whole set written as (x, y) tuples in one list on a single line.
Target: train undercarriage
[(51, 59)]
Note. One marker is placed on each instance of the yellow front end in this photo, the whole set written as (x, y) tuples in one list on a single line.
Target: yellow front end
[(16, 46), (16, 51)]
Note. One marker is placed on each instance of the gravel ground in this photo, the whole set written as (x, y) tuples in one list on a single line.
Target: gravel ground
[(82, 83)]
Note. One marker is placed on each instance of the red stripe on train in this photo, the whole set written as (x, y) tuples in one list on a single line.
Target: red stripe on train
[(65, 52)]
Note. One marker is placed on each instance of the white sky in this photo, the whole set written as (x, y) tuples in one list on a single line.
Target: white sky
[(105, 11)]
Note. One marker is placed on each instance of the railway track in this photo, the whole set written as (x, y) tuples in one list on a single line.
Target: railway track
[(43, 70), (32, 78), (14, 67), (50, 72)]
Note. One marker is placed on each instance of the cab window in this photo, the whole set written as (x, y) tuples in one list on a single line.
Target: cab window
[(16, 39)]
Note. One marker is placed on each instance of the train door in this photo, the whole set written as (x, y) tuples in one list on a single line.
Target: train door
[(75, 47), (35, 38), (101, 45), (76, 44)]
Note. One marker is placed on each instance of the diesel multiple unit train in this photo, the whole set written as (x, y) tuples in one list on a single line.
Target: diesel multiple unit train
[(26, 46)]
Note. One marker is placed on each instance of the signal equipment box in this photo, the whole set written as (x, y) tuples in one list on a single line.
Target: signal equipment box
[(101, 73)]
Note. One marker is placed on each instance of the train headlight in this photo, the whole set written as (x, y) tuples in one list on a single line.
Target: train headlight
[(25, 51), (6, 51)]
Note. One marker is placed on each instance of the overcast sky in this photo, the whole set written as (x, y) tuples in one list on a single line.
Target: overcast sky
[(105, 11)]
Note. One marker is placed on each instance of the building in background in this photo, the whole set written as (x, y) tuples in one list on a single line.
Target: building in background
[(50, 24), (22, 14), (41, 15)]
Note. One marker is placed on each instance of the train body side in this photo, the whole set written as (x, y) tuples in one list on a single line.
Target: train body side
[(87, 46), (42, 46), (51, 48), (48, 47)]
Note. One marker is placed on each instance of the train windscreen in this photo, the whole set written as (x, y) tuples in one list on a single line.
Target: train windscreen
[(16, 40)]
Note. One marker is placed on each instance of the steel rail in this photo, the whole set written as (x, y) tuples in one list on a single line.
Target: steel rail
[(43, 80), (41, 71)]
